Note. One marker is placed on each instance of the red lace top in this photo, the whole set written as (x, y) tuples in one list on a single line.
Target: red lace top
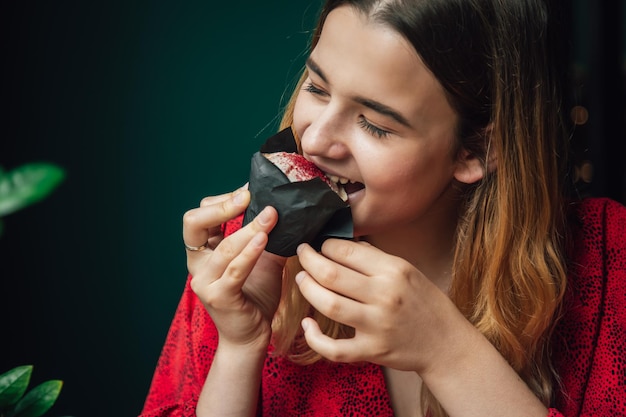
[(589, 348)]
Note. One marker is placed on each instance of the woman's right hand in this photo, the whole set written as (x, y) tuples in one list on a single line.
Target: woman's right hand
[(236, 280)]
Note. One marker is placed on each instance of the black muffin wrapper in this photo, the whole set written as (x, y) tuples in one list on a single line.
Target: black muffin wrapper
[(308, 211)]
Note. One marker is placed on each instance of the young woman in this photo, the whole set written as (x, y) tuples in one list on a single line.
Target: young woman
[(473, 288)]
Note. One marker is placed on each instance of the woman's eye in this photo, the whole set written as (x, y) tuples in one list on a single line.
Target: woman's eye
[(375, 131), (309, 87)]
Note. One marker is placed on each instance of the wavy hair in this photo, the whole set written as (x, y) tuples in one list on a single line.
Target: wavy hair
[(497, 68)]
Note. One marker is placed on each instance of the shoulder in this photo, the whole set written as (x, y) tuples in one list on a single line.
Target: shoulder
[(597, 257), (590, 210), (596, 224)]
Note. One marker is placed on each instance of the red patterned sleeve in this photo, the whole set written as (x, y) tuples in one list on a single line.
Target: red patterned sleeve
[(186, 356), (184, 362)]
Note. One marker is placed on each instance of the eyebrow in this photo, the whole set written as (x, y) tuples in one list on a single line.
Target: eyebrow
[(372, 104)]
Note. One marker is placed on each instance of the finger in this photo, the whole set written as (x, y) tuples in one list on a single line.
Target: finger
[(334, 306), (358, 256), (201, 223), (336, 350), (333, 275), (232, 246), (206, 201), (214, 199), (239, 269)]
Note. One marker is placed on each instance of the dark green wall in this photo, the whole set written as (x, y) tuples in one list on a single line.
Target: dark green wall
[(149, 106)]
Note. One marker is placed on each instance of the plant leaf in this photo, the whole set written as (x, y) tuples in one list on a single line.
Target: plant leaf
[(38, 400), (28, 184), (13, 384)]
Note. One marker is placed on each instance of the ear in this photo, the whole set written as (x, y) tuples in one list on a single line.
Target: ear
[(469, 168)]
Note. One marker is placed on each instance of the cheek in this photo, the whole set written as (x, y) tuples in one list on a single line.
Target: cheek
[(405, 174), (300, 116), (393, 169)]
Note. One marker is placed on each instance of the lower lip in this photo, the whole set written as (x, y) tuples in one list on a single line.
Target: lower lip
[(356, 196)]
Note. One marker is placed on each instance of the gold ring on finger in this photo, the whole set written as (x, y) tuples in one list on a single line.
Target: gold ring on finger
[(202, 247)]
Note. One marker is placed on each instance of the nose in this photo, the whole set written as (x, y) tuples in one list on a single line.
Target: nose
[(325, 136)]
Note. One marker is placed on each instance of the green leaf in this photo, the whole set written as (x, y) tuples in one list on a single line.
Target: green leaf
[(13, 384), (39, 399), (28, 184)]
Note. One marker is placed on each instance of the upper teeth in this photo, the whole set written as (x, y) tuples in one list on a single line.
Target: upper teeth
[(336, 179), (339, 181)]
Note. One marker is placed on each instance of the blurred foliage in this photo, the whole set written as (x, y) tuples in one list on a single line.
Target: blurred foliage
[(26, 185), (16, 402), (19, 188)]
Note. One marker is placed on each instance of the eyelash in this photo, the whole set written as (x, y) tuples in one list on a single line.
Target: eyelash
[(363, 123), (375, 131), (310, 88)]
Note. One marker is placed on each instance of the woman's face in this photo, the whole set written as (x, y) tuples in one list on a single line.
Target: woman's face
[(371, 112)]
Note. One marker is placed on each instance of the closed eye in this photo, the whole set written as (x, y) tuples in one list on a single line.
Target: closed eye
[(372, 129), (310, 88), (367, 126)]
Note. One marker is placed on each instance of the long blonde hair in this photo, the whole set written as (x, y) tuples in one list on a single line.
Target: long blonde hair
[(509, 272)]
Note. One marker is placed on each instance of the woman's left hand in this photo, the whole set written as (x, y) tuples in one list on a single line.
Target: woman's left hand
[(401, 319)]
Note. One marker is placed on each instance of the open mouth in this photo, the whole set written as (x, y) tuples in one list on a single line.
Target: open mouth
[(353, 187), (344, 186)]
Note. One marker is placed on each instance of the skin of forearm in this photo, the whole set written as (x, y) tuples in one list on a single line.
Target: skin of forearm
[(472, 379), (232, 385)]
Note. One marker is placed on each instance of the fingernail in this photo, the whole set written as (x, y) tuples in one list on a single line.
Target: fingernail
[(299, 277), (265, 216), (305, 325), (300, 248)]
